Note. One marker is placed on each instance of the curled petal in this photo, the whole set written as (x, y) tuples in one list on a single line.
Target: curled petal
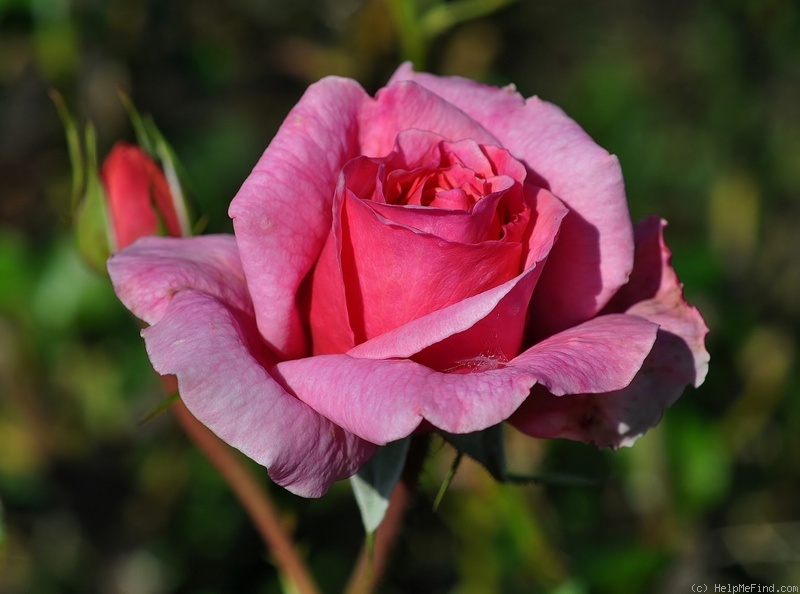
[(655, 293), (678, 359), (149, 273), (408, 106), (412, 274)]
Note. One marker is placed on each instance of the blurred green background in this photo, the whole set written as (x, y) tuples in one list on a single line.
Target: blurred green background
[(701, 102)]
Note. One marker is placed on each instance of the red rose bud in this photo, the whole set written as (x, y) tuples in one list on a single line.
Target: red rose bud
[(138, 196)]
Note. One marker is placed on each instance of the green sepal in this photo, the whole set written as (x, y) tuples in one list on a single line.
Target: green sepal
[(92, 222), (447, 480), (174, 172), (137, 121), (152, 141), (73, 148), (442, 17), (374, 483)]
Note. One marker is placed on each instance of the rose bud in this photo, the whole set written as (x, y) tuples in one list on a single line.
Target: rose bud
[(139, 199)]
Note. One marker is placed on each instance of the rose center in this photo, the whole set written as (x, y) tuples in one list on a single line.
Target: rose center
[(452, 188)]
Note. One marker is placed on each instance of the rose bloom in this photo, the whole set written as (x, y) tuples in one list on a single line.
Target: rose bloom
[(445, 255)]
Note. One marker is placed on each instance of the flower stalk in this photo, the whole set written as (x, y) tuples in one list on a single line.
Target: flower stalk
[(254, 499)]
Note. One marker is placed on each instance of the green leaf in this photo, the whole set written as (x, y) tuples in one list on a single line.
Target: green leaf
[(2, 528), (485, 447), (374, 483), (556, 479)]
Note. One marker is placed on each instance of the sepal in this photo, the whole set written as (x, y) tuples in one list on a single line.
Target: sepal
[(374, 482)]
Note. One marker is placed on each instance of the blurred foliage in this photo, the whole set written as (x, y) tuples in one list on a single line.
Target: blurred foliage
[(701, 102)]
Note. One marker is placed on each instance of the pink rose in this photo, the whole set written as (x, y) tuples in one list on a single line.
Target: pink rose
[(445, 255), (138, 196)]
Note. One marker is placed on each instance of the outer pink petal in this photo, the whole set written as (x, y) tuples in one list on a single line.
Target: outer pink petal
[(594, 255), (150, 272), (678, 358), (217, 355), (385, 400), (282, 213), (654, 292), (407, 106)]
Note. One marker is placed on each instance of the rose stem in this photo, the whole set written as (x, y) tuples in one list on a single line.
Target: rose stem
[(253, 497), (370, 567)]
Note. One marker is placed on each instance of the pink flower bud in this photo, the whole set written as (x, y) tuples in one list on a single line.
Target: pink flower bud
[(138, 196)]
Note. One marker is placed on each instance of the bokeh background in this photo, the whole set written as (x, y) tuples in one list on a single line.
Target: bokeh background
[(701, 102)]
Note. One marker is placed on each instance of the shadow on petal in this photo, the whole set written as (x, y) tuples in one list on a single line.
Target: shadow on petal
[(616, 418)]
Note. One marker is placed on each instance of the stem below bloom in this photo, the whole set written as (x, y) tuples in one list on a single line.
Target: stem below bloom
[(254, 499)]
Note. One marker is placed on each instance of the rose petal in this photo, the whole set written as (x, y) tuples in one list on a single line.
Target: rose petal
[(385, 400), (150, 272), (282, 213), (328, 314), (594, 255), (614, 419), (223, 382), (487, 324), (678, 359), (406, 106), (415, 273), (138, 194), (412, 274), (655, 293), (455, 226)]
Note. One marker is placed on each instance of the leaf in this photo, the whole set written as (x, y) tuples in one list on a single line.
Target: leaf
[(485, 447), (374, 483)]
